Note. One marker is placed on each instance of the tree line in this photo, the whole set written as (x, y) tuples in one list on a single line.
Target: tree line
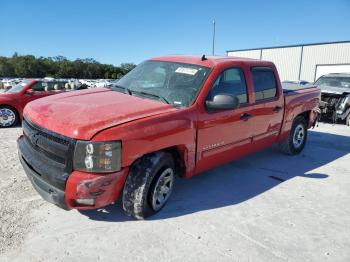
[(29, 66)]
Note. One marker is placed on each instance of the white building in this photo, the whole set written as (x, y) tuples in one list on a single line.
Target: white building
[(303, 62)]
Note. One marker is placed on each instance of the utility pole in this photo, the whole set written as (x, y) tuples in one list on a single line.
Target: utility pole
[(213, 51)]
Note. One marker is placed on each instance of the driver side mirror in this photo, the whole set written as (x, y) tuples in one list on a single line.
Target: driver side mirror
[(30, 91), (223, 101)]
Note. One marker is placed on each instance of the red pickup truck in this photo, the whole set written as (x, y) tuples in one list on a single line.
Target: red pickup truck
[(170, 116)]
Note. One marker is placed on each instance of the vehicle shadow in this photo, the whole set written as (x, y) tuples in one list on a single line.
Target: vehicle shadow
[(241, 180)]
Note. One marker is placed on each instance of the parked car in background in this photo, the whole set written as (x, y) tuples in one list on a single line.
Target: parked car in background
[(13, 101), (8, 83), (335, 97), (103, 83), (173, 115)]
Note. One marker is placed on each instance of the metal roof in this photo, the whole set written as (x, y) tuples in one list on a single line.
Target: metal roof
[(286, 46)]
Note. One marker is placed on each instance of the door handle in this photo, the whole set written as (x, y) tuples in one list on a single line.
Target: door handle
[(277, 109), (246, 116)]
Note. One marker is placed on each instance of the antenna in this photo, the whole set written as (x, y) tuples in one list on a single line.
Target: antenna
[(204, 58), (213, 50)]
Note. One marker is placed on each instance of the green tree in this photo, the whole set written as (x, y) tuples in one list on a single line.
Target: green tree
[(59, 66)]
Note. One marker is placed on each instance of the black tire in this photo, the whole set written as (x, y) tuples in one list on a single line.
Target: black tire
[(140, 185), (15, 113), (288, 146)]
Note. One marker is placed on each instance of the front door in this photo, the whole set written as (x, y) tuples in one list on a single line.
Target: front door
[(224, 135)]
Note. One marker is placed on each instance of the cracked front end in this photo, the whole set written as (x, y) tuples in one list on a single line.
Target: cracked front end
[(335, 106), (48, 161)]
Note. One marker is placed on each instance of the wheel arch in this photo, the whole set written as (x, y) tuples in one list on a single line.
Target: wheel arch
[(306, 115), (12, 107), (179, 155)]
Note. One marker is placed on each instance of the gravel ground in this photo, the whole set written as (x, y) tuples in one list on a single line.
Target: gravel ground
[(265, 207), (16, 194)]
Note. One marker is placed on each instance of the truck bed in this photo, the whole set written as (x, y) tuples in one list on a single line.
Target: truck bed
[(298, 99), (292, 87)]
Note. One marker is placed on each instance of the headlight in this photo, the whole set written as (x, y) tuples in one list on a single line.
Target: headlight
[(97, 157)]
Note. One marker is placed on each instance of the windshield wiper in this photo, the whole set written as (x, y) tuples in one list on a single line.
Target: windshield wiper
[(126, 90), (130, 92), (159, 97)]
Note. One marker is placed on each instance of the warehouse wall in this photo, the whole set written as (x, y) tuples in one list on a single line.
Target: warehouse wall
[(255, 54), (323, 54), (287, 59)]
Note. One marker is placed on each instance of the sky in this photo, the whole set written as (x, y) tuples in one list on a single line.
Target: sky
[(117, 32)]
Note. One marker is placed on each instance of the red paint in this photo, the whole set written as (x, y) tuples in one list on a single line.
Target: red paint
[(203, 140), (105, 189), (19, 100)]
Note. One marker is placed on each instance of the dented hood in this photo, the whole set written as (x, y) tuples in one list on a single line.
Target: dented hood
[(334, 90), (82, 114)]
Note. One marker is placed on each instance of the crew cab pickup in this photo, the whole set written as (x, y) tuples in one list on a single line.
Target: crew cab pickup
[(170, 116)]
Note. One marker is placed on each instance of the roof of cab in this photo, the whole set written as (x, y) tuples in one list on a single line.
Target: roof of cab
[(210, 61)]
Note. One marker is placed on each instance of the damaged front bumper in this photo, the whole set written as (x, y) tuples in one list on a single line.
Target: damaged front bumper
[(334, 106), (78, 190), (90, 191)]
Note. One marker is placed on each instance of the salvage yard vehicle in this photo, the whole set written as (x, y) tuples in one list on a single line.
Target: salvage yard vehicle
[(335, 97), (170, 116), (13, 101)]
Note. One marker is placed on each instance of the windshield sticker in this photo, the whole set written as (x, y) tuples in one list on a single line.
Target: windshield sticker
[(186, 70)]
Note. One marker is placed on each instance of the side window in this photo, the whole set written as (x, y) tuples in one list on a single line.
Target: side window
[(232, 82), (264, 82), (38, 87)]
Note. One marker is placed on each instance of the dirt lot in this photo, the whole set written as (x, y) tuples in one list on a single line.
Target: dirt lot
[(265, 207)]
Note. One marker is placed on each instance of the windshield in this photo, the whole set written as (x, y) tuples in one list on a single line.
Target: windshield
[(334, 81), (174, 83), (18, 88)]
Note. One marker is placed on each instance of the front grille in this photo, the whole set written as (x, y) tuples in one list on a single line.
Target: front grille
[(47, 153), (52, 145)]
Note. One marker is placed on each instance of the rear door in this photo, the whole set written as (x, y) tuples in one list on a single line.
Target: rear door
[(268, 107), (224, 135)]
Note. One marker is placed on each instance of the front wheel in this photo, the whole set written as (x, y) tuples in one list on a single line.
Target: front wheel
[(296, 140), (8, 117), (149, 185)]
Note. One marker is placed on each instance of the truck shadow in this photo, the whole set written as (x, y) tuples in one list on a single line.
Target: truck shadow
[(241, 180)]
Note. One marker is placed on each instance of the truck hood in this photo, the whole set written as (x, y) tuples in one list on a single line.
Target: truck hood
[(334, 90), (82, 114)]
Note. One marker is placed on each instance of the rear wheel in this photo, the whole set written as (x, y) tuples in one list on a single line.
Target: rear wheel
[(149, 185), (296, 140), (8, 116)]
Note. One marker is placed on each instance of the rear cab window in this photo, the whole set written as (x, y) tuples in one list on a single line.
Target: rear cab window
[(264, 82), (232, 82)]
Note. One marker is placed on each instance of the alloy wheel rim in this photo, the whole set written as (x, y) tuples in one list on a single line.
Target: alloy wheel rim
[(299, 136), (7, 117), (163, 189)]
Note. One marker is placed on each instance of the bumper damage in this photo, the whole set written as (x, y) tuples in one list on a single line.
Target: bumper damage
[(82, 190), (334, 106)]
